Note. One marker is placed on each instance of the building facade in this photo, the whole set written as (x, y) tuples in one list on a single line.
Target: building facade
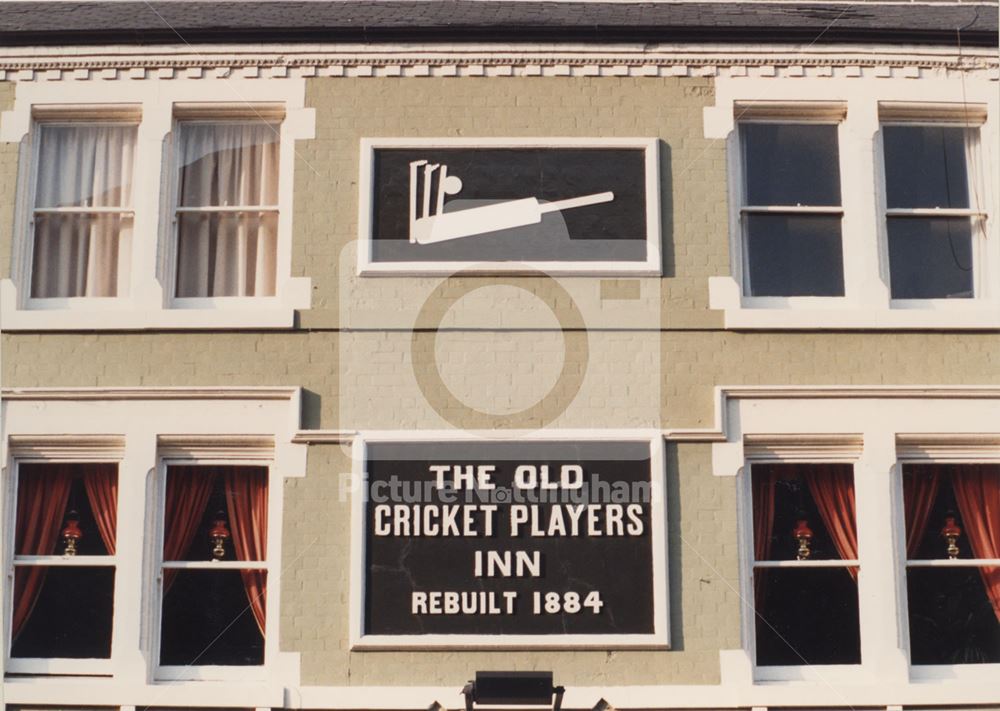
[(317, 316)]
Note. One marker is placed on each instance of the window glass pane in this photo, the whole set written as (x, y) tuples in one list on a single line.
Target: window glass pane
[(63, 612), (794, 255), (229, 164), (787, 495), (967, 494), (930, 257), (198, 497), (952, 620), (77, 255), (925, 166), (50, 496), (807, 616), (81, 165), (208, 619), (226, 254), (791, 164)]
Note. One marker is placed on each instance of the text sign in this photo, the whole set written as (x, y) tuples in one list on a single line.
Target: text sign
[(532, 203), (510, 538)]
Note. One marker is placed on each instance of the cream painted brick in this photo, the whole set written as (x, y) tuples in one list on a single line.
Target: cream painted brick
[(8, 184)]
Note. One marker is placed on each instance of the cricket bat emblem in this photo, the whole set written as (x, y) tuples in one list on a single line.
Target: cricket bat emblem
[(429, 223)]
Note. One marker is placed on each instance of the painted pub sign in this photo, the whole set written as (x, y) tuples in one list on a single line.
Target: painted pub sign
[(502, 543), (575, 205)]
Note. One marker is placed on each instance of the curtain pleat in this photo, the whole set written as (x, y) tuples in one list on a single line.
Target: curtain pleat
[(977, 492), (920, 489), (246, 498), (832, 488), (41, 503), (763, 481), (188, 491), (101, 484)]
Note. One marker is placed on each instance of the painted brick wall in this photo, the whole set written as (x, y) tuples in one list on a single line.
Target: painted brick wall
[(8, 183), (653, 361)]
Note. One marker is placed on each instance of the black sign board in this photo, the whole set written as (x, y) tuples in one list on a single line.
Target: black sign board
[(480, 543), (535, 204)]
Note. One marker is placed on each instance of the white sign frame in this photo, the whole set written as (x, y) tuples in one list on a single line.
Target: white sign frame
[(659, 639), (652, 266)]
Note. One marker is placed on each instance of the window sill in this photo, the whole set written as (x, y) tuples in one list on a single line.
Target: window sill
[(60, 666), (932, 673), (67, 691), (168, 674), (133, 313), (650, 267), (823, 673), (818, 313)]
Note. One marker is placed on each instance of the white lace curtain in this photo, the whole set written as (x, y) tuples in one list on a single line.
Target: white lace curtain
[(227, 219), (82, 216)]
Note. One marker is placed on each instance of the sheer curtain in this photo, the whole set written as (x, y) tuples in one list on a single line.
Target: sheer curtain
[(230, 251), (77, 252)]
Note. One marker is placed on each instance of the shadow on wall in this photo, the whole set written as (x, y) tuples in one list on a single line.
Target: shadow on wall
[(674, 548), (312, 403), (667, 210)]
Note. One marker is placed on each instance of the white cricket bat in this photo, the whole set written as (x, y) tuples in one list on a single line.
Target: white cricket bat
[(490, 218)]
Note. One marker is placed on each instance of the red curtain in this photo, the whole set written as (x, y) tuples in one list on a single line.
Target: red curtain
[(246, 498), (101, 483), (977, 492), (920, 489), (188, 490), (832, 488), (42, 495), (763, 479)]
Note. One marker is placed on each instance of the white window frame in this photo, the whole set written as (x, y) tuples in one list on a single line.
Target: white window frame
[(251, 456), (878, 429), (985, 256), (76, 116), (915, 450), (651, 266), (817, 114), (143, 429), (54, 451), (271, 114), (779, 450), (867, 99), (147, 302)]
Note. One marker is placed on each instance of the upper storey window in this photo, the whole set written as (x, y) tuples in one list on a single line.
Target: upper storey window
[(791, 214), (154, 205), (855, 212), (227, 211), (931, 220), (82, 216)]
